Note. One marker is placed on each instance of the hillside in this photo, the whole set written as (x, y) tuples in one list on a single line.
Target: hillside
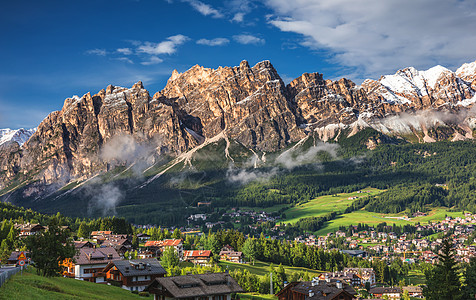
[(58, 288)]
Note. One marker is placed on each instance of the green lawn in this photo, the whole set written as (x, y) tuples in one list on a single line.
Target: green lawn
[(415, 278), (256, 296), (31, 286), (260, 268), (371, 218), (326, 204)]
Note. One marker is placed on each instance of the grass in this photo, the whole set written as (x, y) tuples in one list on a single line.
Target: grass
[(32, 286), (260, 268), (271, 209), (256, 296), (371, 218), (325, 204), (415, 277)]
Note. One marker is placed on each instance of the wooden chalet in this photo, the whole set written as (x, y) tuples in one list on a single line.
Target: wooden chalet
[(233, 256), (83, 244), (28, 229), (143, 237), (391, 293), (217, 286), (135, 274), (89, 263), (198, 257), (121, 245), (159, 246), (317, 290)]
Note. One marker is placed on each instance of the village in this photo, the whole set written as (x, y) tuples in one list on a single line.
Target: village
[(134, 263)]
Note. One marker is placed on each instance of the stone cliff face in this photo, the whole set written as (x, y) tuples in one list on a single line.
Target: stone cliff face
[(250, 105)]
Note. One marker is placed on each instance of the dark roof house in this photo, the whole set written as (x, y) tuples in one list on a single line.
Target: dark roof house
[(330, 289), (134, 274), (194, 286)]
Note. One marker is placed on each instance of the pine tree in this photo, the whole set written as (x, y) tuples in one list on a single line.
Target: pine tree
[(470, 279), (442, 281), (83, 230)]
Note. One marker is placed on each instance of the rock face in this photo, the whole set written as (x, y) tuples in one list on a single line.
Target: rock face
[(250, 105)]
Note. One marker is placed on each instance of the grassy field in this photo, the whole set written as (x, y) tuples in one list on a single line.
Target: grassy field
[(415, 278), (371, 218), (256, 296), (326, 204), (31, 286), (261, 268)]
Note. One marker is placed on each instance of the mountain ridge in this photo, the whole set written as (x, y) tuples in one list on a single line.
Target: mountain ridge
[(250, 105)]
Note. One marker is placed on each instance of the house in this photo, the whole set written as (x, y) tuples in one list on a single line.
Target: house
[(100, 234), (350, 278), (232, 256), (365, 274), (198, 257), (390, 293), (159, 246), (135, 274), (355, 253), (28, 229), (83, 244), (316, 289), (89, 263), (195, 287), (121, 245), (143, 237), (413, 291)]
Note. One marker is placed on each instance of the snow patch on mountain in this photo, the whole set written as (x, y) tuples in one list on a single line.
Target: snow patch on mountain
[(19, 135)]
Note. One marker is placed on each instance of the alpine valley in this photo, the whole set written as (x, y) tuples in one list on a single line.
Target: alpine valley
[(239, 136)]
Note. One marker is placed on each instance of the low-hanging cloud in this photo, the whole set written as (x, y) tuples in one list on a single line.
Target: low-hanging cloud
[(124, 149), (375, 37), (244, 176), (104, 199), (295, 157)]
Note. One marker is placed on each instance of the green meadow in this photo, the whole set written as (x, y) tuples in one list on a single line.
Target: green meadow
[(260, 268), (326, 204), (32, 286), (372, 218)]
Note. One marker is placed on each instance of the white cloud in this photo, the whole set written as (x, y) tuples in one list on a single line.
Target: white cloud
[(238, 17), (153, 60), (377, 37), (124, 51), (214, 42), (204, 9), (169, 46), (125, 59), (99, 52), (248, 39)]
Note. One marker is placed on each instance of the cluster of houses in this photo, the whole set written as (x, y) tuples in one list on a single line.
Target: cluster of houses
[(236, 215), (408, 247)]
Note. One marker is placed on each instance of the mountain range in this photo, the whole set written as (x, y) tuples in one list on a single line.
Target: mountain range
[(247, 106)]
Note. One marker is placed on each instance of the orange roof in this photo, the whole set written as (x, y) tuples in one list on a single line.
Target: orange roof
[(164, 243), (101, 232), (172, 242), (197, 253)]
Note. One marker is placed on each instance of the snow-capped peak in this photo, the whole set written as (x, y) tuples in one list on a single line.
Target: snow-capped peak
[(467, 70), (433, 74), (16, 135)]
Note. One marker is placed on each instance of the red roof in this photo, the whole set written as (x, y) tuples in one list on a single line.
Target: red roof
[(101, 232), (197, 253), (164, 243)]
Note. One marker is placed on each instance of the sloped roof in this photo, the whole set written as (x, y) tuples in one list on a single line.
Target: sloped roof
[(198, 285), (197, 253), (151, 266), (322, 289), (88, 256), (164, 243)]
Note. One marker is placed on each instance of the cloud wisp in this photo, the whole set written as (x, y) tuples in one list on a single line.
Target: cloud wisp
[(214, 42), (248, 39), (378, 37)]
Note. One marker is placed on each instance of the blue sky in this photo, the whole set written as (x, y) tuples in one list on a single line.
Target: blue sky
[(51, 50)]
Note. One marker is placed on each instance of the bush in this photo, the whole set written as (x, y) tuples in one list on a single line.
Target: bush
[(135, 292), (144, 294)]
